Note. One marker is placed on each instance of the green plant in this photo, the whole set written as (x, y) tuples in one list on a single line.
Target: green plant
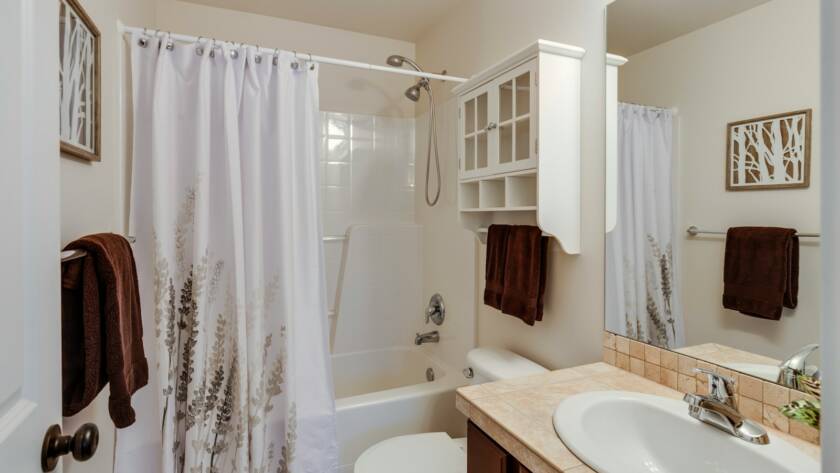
[(806, 411)]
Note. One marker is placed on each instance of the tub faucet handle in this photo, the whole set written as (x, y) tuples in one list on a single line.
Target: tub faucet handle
[(435, 311)]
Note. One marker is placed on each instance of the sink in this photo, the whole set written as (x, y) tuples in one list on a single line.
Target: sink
[(624, 432), (767, 372)]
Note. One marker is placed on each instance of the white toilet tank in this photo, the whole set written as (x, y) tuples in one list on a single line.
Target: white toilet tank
[(494, 364)]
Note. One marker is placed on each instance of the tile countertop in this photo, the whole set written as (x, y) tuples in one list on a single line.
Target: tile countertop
[(517, 413)]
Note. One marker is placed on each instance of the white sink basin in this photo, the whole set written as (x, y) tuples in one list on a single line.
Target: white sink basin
[(768, 372), (623, 432)]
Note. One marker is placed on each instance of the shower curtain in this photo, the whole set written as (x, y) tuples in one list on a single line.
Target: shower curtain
[(642, 286), (225, 207)]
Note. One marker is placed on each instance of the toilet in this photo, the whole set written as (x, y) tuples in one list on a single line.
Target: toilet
[(438, 452)]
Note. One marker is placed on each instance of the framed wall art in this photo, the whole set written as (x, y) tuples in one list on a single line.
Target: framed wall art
[(772, 152), (79, 75)]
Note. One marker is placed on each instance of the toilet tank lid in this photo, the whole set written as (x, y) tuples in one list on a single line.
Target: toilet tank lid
[(496, 364)]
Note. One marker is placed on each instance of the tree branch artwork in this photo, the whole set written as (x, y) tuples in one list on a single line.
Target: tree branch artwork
[(772, 152), (79, 82)]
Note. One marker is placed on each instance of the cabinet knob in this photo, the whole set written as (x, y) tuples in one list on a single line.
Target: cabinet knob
[(82, 445), (492, 126)]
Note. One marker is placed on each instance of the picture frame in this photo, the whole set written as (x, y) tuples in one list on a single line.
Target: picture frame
[(769, 152), (80, 83)]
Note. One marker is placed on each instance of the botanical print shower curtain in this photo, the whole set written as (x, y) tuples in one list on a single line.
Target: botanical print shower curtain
[(225, 207), (642, 285)]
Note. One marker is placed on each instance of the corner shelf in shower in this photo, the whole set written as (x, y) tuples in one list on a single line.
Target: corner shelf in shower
[(519, 143)]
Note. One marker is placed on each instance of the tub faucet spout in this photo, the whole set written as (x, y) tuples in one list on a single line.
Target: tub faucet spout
[(428, 337)]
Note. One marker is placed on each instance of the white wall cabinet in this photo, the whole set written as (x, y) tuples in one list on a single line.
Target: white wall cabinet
[(497, 128), (519, 143)]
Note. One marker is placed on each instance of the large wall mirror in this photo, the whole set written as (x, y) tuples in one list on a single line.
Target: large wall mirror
[(713, 215)]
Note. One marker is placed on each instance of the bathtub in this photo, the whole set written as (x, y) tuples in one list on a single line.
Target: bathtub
[(384, 393)]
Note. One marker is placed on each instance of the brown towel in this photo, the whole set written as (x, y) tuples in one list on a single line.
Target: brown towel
[(525, 273), (494, 274), (761, 271), (101, 329)]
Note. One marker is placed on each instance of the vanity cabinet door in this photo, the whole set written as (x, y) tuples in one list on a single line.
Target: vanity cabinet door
[(484, 455)]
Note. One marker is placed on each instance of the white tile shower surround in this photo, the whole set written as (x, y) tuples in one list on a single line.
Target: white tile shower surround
[(381, 303), (367, 176), (367, 170)]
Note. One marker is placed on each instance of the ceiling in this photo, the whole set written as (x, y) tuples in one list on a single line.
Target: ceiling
[(636, 25), (398, 19)]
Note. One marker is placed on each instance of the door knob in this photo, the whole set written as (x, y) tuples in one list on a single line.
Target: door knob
[(82, 445)]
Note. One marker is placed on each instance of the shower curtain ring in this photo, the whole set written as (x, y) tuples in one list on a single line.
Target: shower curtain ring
[(276, 56), (258, 55), (170, 45), (144, 40), (213, 48), (311, 63), (295, 65), (199, 49)]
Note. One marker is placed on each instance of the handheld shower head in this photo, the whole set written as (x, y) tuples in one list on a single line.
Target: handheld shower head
[(395, 60), (413, 93)]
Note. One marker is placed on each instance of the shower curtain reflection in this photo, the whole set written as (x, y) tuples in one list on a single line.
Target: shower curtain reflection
[(642, 285)]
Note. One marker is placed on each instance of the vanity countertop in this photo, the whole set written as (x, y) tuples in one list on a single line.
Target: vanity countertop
[(517, 413)]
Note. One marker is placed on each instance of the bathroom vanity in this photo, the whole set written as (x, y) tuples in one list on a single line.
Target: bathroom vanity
[(511, 428)]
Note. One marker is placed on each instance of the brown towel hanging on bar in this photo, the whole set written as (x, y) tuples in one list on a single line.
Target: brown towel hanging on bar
[(101, 329), (516, 271), (494, 273), (761, 271)]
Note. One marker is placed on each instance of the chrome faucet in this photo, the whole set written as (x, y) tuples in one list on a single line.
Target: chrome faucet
[(720, 410), (428, 337), (793, 367)]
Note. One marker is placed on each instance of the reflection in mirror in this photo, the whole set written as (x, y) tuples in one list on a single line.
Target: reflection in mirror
[(712, 129)]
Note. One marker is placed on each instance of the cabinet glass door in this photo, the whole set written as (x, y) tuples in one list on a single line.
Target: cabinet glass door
[(475, 111), (516, 130)]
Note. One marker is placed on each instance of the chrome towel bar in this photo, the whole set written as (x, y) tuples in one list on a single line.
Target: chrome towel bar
[(71, 255), (694, 231)]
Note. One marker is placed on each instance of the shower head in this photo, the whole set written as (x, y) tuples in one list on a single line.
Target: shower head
[(413, 92), (399, 61)]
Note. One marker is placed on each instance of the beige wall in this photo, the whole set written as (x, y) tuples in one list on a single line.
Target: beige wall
[(760, 62), (475, 35), (92, 194), (341, 89)]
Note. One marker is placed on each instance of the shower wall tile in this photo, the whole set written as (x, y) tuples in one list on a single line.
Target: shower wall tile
[(367, 177)]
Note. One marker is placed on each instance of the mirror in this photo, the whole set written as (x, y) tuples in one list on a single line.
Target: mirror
[(714, 127)]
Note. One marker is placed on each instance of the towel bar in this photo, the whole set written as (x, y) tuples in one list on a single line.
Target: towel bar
[(694, 231), (71, 255)]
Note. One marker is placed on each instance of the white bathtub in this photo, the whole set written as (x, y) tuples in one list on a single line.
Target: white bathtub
[(384, 393)]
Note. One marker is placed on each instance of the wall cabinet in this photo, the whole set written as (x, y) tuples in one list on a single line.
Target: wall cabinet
[(519, 143), (498, 130), (486, 456)]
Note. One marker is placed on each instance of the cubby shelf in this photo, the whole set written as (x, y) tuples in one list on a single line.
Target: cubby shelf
[(519, 143)]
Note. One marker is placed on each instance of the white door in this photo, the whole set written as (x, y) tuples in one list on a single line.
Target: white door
[(30, 331)]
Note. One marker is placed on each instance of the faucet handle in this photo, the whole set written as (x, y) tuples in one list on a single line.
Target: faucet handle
[(721, 388)]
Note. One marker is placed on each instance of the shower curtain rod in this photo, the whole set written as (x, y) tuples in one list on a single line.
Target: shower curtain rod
[(123, 29)]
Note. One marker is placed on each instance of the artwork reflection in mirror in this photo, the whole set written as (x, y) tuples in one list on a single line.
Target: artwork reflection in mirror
[(742, 288)]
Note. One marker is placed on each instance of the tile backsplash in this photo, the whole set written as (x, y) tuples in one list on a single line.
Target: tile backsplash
[(758, 400)]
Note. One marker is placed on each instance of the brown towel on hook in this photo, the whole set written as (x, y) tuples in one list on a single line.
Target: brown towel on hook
[(525, 273), (761, 271), (494, 273), (101, 329)]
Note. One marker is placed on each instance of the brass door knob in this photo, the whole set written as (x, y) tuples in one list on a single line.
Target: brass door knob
[(82, 445)]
